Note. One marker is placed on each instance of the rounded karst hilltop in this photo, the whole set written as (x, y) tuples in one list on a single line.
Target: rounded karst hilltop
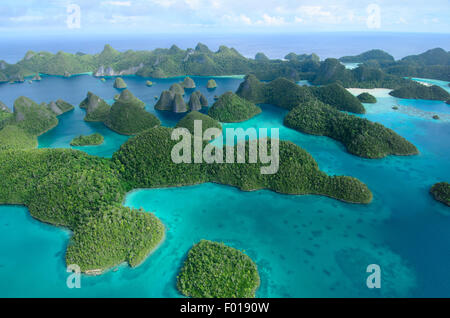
[(96, 108), (176, 89), (197, 101), (441, 192), (90, 140), (211, 84), (367, 98), (230, 108), (119, 83), (188, 83), (207, 122), (128, 116), (214, 270)]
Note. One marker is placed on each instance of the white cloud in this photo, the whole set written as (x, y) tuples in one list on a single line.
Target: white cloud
[(402, 20), (193, 4), (242, 19), (118, 19), (271, 20), (117, 3), (298, 20)]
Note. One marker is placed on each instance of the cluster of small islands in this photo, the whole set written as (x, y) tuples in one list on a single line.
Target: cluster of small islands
[(67, 187)]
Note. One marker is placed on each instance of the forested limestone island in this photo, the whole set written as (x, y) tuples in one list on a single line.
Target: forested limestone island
[(287, 94), (364, 76), (230, 108), (419, 91), (4, 108), (214, 270), (19, 129), (310, 114), (90, 140), (128, 115), (105, 233), (261, 57), (211, 84), (34, 118), (159, 63), (172, 100), (146, 162), (441, 192), (376, 55), (207, 122), (360, 136), (97, 109), (60, 107), (120, 83), (177, 89), (434, 63), (367, 98), (197, 101), (377, 69)]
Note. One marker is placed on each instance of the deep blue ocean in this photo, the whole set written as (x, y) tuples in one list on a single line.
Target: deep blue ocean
[(304, 246)]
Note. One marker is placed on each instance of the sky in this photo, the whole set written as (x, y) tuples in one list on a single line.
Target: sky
[(224, 16)]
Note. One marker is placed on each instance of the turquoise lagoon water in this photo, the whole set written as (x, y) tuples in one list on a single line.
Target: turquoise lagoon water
[(304, 246)]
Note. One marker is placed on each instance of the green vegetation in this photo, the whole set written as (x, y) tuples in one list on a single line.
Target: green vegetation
[(207, 122), (60, 107), (5, 115), (159, 63), (231, 108), (83, 193), (91, 140), (378, 68), (361, 137), (120, 235), (419, 91), (177, 89), (364, 76), (120, 83), (64, 106), (145, 162), (188, 83), (372, 55), (433, 63), (128, 116), (261, 57), (172, 100), (367, 98), (214, 270), (13, 137), (165, 101), (211, 84), (33, 118), (441, 192), (197, 101), (96, 108)]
